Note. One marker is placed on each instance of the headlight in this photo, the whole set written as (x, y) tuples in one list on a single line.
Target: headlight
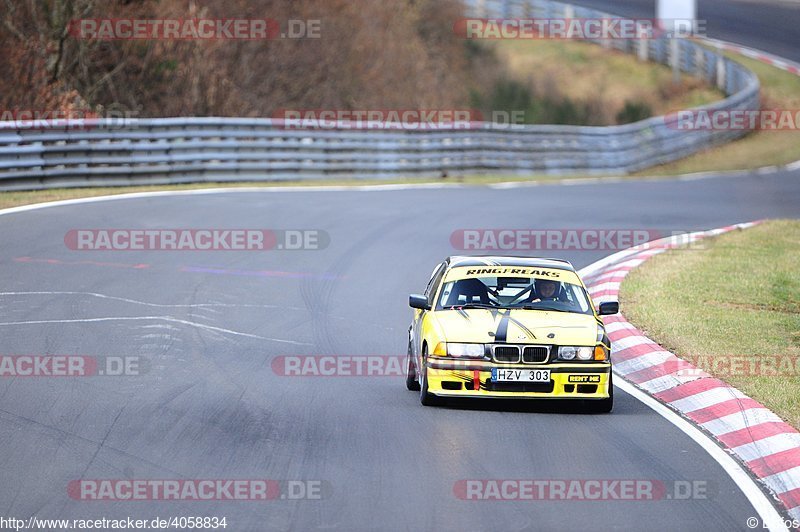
[(571, 353), (466, 350)]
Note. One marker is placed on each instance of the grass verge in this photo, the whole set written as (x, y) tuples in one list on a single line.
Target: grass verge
[(604, 80), (732, 307)]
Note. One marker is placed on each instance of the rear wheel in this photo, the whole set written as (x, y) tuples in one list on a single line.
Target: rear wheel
[(411, 372), (427, 399)]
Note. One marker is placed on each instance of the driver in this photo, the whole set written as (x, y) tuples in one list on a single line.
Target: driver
[(546, 290)]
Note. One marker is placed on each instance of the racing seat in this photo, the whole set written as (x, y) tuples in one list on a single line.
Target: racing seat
[(468, 291)]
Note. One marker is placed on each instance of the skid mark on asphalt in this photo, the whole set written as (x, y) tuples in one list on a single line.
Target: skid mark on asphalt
[(154, 318), (83, 263), (156, 336), (50, 430), (161, 326), (264, 274), (317, 293), (255, 273), (152, 342)]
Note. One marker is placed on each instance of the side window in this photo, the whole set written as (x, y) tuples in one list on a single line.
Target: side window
[(433, 275), (434, 283)]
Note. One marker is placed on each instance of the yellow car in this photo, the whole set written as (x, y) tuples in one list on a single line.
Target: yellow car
[(509, 327)]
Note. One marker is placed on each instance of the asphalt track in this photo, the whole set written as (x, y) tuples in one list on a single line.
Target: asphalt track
[(768, 25), (211, 406)]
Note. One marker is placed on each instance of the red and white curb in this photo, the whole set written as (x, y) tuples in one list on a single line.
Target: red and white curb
[(767, 446), (752, 53)]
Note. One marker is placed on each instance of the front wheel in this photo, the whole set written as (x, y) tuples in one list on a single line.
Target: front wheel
[(411, 372), (427, 399)]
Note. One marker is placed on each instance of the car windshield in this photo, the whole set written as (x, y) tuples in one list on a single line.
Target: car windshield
[(531, 293)]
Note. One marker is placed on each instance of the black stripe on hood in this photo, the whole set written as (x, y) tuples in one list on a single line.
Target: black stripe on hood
[(502, 328)]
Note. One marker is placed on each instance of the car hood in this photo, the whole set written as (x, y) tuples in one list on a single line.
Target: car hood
[(516, 326)]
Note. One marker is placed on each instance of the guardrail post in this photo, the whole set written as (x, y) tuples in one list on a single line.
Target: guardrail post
[(721, 74), (643, 48), (675, 59), (699, 62)]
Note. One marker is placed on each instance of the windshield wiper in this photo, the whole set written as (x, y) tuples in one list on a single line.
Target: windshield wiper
[(472, 305), (533, 307)]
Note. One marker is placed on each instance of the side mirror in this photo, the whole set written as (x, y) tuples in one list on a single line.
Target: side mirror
[(417, 301), (608, 308)]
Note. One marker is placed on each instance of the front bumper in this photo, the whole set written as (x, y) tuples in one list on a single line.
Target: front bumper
[(461, 378)]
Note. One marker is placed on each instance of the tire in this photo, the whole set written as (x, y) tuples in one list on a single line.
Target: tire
[(426, 398), (603, 406), (411, 372)]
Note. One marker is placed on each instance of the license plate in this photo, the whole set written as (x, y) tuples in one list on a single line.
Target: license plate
[(520, 375)]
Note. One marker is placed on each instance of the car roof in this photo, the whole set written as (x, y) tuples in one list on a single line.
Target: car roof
[(501, 260)]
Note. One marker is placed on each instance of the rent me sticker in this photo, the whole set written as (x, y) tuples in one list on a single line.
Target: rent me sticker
[(584, 378)]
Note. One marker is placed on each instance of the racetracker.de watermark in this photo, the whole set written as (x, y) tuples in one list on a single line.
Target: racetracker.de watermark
[(735, 366), (183, 29), (570, 239), (339, 365), (65, 119), (611, 28), (734, 120), (72, 366), (196, 239), (198, 489), (581, 490), (402, 119)]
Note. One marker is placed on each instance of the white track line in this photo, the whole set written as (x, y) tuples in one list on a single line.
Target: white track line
[(352, 188), (770, 517)]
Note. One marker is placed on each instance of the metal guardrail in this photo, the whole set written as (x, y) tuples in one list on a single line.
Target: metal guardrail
[(180, 150)]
